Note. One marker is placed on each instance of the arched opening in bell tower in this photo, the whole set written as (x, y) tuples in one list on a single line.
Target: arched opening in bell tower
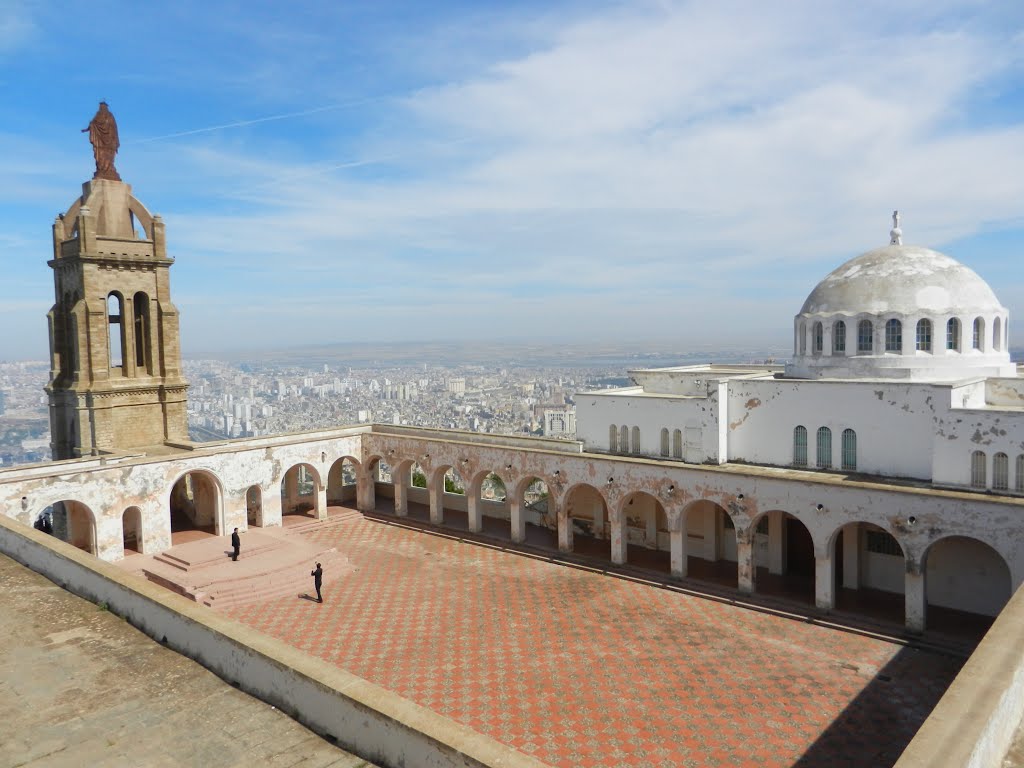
[(141, 327), (115, 327)]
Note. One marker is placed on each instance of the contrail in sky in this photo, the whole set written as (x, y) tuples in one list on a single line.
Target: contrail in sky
[(254, 121)]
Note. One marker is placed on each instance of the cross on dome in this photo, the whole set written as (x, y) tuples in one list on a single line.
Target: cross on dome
[(896, 234)]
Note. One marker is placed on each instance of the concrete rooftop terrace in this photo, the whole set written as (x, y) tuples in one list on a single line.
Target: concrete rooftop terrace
[(579, 669), (81, 687)]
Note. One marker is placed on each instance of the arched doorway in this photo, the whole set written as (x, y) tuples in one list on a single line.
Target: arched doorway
[(539, 518), (196, 507), (783, 556), (710, 543), (869, 568), (967, 583), (70, 521), (300, 491), (647, 534), (254, 506), (341, 481), (131, 530), (417, 492), (489, 495), (587, 517)]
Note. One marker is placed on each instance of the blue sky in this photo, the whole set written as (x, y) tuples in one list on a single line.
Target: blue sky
[(388, 171)]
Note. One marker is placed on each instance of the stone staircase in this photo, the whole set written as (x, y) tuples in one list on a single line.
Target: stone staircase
[(273, 563)]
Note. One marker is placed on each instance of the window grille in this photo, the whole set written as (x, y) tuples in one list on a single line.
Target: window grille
[(839, 337), (819, 338), (613, 438), (664, 442), (865, 337), (953, 334), (979, 470), (924, 335), (677, 443), (997, 337), (1000, 472), (824, 448), (893, 336), (800, 447), (623, 439), (1019, 474), (849, 450), (979, 332), (636, 440)]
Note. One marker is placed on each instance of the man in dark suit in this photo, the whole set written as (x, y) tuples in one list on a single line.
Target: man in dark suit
[(236, 543), (318, 581)]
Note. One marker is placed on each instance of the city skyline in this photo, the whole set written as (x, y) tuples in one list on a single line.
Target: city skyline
[(671, 172)]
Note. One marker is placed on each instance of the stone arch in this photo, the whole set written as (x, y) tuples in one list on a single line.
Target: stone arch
[(587, 521), (300, 490), (342, 479), (535, 511), (783, 557), (646, 528), (448, 503), (196, 503), (488, 504), (131, 530), (966, 575), (254, 506), (711, 542), (71, 521), (869, 565)]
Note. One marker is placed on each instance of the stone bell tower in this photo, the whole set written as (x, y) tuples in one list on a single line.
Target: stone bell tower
[(115, 358)]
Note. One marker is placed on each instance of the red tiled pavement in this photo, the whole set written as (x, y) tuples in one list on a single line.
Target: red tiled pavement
[(579, 669)]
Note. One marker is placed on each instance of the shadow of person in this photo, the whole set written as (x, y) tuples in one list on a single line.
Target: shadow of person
[(305, 596)]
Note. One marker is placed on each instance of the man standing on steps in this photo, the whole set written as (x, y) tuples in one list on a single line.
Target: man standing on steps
[(318, 581), (236, 543)]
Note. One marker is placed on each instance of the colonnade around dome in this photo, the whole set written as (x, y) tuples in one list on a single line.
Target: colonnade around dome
[(744, 528)]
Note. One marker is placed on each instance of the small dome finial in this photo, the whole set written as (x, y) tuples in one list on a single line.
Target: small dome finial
[(896, 234)]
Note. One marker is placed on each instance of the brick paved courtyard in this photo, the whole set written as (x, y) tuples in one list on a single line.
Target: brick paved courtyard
[(581, 669)]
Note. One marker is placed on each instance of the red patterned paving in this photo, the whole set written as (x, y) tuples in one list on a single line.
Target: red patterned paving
[(579, 669)]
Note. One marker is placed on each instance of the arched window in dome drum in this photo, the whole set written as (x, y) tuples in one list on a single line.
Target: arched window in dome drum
[(800, 447), (953, 334), (865, 337), (979, 469), (924, 335), (839, 337), (1000, 472), (824, 448), (979, 333), (893, 336), (997, 335), (849, 450), (819, 338), (803, 338)]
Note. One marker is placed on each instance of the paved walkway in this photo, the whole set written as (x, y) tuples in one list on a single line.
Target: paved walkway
[(580, 669), (80, 687)]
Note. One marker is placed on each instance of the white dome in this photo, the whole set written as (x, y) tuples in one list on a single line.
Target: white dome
[(901, 311), (904, 280)]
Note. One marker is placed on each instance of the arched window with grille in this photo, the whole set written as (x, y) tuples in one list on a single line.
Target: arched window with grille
[(997, 335), (953, 334), (839, 337), (979, 333), (849, 450), (803, 338), (1000, 472), (979, 469), (824, 448), (1018, 479), (865, 337), (613, 438), (664, 441), (893, 335), (623, 439), (636, 440), (924, 335), (800, 447), (819, 338), (677, 443)]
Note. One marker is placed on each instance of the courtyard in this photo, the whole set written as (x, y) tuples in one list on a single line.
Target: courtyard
[(577, 667)]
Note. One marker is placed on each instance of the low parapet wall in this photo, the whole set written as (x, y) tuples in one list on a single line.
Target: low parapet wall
[(363, 718), (975, 721)]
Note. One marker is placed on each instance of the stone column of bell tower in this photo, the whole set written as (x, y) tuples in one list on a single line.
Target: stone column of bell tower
[(115, 358)]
